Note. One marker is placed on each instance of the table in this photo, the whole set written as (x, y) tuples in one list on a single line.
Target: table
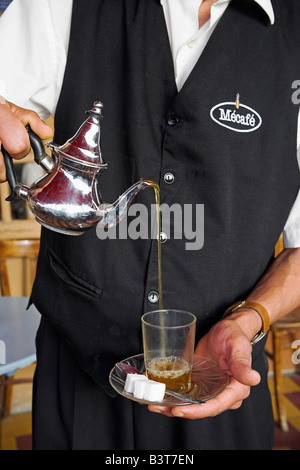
[(18, 328)]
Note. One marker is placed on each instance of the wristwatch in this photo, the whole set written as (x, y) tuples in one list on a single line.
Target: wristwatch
[(262, 312)]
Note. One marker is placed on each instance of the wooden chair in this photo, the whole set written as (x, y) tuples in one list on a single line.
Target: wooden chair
[(27, 252), (283, 333)]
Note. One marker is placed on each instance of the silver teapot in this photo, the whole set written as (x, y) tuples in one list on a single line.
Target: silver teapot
[(67, 198)]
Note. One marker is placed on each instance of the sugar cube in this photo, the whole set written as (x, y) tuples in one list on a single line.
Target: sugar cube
[(154, 391), (143, 388), (130, 381), (139, 388)]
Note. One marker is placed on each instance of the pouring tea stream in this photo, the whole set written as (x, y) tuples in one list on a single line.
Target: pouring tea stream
[(67, 198)]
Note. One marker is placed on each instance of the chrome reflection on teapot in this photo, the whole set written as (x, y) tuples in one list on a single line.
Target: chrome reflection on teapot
[(67, 198)]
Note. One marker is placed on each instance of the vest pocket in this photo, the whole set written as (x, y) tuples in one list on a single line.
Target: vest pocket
[(72, 279)]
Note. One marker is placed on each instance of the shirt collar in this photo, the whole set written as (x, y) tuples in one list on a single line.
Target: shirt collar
[(266, 5)]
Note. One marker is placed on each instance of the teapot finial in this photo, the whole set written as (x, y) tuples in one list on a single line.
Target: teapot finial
[(98, 106)]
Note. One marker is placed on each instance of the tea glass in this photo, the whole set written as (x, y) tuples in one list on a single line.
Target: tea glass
[(169, 342)]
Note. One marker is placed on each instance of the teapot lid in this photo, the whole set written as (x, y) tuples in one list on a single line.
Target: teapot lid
[(84, 146)]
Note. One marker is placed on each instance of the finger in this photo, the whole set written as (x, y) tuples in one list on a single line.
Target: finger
[(243, 373), (13, 134), (230, 398), (12, 129), (238, 361), (165, 410), (2, 169), (32, 118), (237, 405)]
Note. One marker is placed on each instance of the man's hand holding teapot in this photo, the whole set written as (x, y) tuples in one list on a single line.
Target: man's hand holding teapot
[(13, 134)]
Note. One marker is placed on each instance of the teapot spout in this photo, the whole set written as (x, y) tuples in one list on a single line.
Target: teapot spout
[(112, 214)]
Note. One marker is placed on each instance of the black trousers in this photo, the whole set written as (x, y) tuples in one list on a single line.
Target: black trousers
[(70, 411)]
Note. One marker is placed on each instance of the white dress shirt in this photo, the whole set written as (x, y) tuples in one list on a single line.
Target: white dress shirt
[(34, 80)]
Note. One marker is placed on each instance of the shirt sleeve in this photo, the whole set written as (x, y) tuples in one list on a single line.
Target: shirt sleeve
[(291, 232), (34, 37)]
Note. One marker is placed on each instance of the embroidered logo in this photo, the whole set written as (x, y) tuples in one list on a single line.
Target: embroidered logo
[(236, 116)]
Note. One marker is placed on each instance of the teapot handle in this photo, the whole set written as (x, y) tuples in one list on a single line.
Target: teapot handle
[(40, 157), (10, 174)]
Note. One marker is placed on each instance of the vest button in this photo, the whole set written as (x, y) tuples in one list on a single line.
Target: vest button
[(153, 297), (169, 178), (163, 237), (173, 121)]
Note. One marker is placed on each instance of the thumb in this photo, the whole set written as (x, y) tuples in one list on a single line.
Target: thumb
[(243, 373), (239, 363)]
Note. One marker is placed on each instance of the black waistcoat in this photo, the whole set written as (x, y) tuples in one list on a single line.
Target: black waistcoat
[(94, 291)]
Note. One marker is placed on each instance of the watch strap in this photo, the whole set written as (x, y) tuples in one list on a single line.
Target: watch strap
[(262, 312)]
